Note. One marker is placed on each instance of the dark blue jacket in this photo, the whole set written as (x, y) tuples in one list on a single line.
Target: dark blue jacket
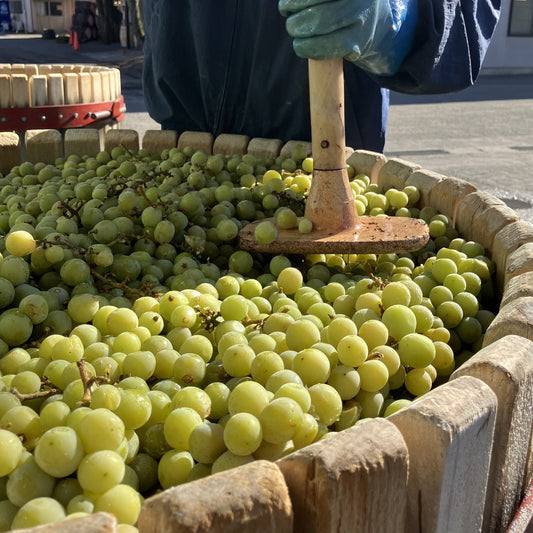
[(227, 66)]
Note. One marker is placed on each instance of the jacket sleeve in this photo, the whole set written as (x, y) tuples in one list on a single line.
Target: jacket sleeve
[(451, 40)]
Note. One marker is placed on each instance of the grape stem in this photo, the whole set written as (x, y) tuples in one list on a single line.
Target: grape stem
[(88, 382)]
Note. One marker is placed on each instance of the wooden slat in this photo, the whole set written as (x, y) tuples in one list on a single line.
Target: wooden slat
[(96, 82), (82, 141), (94, 523), (39, 90), (20, 90), (506, 241), (264, 148), (424, 180), (352, 481), (289, 146), (519, 286), (395, 172), (10, 151), (43, 146), (129, 139), (449, 434), (56, 93), (71, 88), (506, 366), (155, 141), (31, 69), (519, 262), (199, 140), (106, 85), (480, 215), (247, 499), (231, 144), (446, 195), (367, 162), (5, 91), (85, 87), (515, 318)]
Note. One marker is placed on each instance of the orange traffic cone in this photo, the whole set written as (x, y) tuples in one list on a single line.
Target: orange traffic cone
[(76, 42)]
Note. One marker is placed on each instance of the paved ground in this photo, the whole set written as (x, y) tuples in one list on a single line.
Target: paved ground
[(483, 134)]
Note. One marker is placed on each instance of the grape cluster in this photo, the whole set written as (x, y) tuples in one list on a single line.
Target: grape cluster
[(140, 348)]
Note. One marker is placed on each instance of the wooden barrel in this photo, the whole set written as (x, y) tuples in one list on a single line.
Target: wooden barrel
[(59, 96), (457, 459)]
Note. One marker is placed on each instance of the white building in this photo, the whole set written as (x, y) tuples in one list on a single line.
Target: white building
[(511, 48)]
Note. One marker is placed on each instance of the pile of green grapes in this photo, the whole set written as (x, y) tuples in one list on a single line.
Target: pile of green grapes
[(140, 348)]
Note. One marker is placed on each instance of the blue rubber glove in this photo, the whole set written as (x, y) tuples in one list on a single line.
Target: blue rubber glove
[(376, 35)]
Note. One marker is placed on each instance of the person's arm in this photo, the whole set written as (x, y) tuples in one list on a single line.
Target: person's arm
[(450, 43), (424, 46)]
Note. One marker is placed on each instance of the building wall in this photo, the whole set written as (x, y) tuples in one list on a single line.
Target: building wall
[(508, 54)]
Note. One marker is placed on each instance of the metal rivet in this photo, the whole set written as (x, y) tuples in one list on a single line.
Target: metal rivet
[(60, 116), (3, 119), (42, 118), (23, 119)]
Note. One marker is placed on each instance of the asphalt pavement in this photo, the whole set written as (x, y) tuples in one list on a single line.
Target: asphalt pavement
[(483, 134)]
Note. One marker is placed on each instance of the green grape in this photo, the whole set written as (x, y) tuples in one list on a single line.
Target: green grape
[(237, 360), (100, 471), (122, 501), (302, 334), (373, 375), (326, 404), (468, 303), (12, 448), (400, 320), (134, 408), (395, 293), (469, 329), (15, 327), (312, 365), (53, 414), (248, 397), (189, 369), (242, 434), (305, 225), (37, 512), (19, 243), (218, 393), (24, 422), (193, 397), (280, 420), (416, 350), (229, 460), (345, 380), (352, 350), (179, 425), (265, 364), (74, 271), (396, 405), (139, 363), (120, 320), (27, 482), (424, 318), (418, 381), (183, 316), (59, 451), (26, 382), (100, 429), (79, 504), (83, 307)]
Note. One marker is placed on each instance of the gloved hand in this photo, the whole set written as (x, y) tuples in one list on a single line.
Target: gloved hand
[(376, 35)]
